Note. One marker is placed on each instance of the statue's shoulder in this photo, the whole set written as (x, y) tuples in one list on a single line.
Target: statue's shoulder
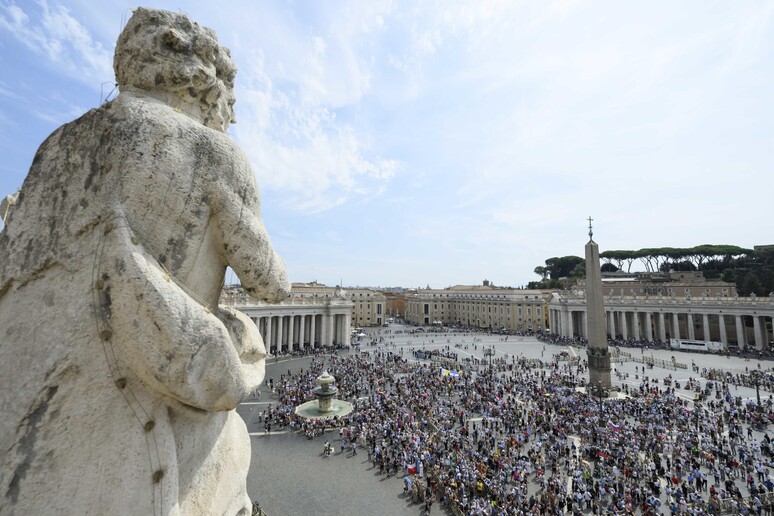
[(141, 114)]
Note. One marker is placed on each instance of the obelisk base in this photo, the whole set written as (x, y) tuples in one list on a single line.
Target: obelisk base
[(599, 369)]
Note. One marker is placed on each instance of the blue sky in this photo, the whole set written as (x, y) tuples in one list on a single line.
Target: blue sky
[(435, 142)]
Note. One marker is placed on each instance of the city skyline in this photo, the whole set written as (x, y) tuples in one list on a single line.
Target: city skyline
[(447, 143)]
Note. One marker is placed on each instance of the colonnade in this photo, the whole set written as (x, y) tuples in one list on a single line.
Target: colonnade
[(726, 324), (288, 332)]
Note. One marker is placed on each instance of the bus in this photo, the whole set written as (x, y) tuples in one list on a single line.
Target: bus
[(705, 346)]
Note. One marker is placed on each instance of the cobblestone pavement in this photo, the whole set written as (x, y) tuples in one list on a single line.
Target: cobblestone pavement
[(289, 476)]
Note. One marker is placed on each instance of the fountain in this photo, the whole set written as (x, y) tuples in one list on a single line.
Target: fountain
[(324, 405)]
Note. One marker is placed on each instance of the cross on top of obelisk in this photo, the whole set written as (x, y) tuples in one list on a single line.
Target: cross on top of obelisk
[(591, 232)]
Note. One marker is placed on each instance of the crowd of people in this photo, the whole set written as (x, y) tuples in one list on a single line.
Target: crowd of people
[(523, 440)]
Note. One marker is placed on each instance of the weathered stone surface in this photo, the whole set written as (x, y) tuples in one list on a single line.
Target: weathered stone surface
[(119, 373)]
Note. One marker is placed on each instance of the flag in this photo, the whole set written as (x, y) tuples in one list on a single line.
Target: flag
[(613, 426)]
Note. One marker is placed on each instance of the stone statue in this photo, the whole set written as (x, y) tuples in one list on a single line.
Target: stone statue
[(119, 372)]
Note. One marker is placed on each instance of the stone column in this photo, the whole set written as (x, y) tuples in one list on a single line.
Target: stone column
[(567, 323), (560, 323), (636, 325), (689, 323), (661, 327), (323, 330), (347, 332), (705, 328), (311, 331), (611, 323), (329, 327), (722, 328), (287, 330), (291, 330), (267, 338), (302, 331), (624, 326), (307, 337), (740, 336), (648, 327), (757, 332), (280, 324), (258, 321), (675, 325)]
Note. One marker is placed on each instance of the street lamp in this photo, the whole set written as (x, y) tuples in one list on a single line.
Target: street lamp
[(756, 378), (489, 352)]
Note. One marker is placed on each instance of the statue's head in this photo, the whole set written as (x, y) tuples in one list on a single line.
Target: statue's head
[(165, 52)]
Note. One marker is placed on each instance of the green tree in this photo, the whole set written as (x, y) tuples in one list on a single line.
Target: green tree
[(579, 271), (561, 267), (752, 285), (543, 272)]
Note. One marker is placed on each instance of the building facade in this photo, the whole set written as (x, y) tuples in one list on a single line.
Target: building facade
[(369, 307), (396, 304), (734, 321), (314, 316), (481, 306)]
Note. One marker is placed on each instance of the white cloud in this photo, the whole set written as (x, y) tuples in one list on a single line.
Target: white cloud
[(51, 31), (58, 117), (751, 29), (297, 145)]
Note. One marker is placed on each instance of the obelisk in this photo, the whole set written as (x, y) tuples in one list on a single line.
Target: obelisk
[(598, 352)]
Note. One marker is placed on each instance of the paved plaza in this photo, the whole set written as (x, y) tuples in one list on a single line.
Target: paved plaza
[(289, 476)]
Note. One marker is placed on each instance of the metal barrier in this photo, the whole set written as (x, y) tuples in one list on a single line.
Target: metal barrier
[(730, 505), (657, 362)]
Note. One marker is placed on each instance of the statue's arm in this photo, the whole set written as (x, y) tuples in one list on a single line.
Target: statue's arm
[(245, 243)]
